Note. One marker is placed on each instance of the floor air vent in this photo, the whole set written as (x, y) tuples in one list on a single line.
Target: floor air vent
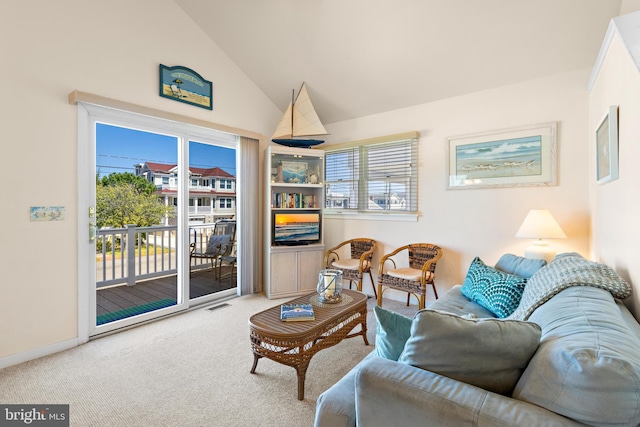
[(215, 307)]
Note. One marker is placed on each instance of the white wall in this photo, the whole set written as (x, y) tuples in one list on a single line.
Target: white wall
[(628, 6), (616, 205), (481, 222), (109, 48)]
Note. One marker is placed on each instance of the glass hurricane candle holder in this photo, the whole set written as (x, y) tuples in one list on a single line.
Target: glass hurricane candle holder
[(329, 286)]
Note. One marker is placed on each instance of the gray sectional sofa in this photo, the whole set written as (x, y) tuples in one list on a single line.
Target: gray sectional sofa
[(568, 355)]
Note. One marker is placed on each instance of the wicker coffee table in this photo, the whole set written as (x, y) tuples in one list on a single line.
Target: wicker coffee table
[(294, 343)]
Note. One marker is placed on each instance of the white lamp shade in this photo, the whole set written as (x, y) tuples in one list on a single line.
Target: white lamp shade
[(540, 224)]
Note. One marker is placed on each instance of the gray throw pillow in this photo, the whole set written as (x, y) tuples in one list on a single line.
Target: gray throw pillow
[(519, 266), (216, 241), (488, 353)]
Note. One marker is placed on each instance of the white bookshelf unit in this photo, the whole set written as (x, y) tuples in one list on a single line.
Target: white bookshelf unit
[(294, 223)]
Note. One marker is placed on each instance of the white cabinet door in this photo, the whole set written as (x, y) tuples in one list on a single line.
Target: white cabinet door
[(283, 273), (309, 265)]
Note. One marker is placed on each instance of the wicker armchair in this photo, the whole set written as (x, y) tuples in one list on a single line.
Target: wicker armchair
[(353, 268), (413, 279)]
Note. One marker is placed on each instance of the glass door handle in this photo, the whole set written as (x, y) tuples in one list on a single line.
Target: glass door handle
[(92, 231)]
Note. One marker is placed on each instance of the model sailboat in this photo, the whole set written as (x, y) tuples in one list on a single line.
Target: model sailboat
[(299, 123)]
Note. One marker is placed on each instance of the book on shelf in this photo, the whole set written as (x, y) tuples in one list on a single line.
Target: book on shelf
[(296, 312), (292, 201)]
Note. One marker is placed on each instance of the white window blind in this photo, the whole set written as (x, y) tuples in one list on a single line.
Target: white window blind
[(373, 176)]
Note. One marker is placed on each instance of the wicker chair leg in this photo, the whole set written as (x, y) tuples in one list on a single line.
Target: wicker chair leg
[(379, 297), (373, 285), (435, 292), (408, 298), (421, 302)]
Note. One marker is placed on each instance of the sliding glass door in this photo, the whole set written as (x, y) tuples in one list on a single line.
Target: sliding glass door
[(212, 220), (136, 231), (155, 193)]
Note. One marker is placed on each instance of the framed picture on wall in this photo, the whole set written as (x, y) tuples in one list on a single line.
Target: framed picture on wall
[(607, 147), (515, 157), (185, 85)]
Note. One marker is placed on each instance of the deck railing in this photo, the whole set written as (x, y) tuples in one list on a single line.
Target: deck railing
[(130, 254), (211, 210)]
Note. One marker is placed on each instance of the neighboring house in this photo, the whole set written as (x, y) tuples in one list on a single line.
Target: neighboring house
[(378, 201), (212, 191)]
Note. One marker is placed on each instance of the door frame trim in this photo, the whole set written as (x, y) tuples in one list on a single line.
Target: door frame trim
[(88, 114)]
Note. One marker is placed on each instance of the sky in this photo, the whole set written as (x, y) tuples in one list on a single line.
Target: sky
[(120, 149)]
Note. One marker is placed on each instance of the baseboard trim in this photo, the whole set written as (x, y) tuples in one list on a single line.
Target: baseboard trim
[(36, 353)]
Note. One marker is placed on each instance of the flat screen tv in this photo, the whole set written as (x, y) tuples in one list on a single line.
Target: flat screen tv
[(296, 228)]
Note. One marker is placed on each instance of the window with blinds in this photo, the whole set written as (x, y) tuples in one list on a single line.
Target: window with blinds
[(378, 175)]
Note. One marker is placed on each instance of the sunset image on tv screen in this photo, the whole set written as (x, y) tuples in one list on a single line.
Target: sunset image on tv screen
[(292, 227)]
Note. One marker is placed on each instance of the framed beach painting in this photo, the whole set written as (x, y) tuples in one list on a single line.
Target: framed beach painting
[(294, 172), (185, 85), (515, 157), (607, 147)]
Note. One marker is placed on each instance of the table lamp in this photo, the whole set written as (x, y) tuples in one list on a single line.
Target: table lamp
[(540, 224)]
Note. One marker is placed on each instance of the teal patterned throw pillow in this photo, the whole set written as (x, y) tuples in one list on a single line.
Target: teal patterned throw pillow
[(495, 290)]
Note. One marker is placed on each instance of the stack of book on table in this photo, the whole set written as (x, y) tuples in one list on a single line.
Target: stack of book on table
[(296, 312)]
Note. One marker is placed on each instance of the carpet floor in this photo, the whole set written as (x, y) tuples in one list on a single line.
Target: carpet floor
[(187, 370)]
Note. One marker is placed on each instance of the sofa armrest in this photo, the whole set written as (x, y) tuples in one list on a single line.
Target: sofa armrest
[(336, 407), (408, 394)]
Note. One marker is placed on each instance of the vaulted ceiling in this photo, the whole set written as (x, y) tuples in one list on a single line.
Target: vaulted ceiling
[(361, 57)]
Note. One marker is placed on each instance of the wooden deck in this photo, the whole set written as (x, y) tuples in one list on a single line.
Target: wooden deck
[(203, 282)]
